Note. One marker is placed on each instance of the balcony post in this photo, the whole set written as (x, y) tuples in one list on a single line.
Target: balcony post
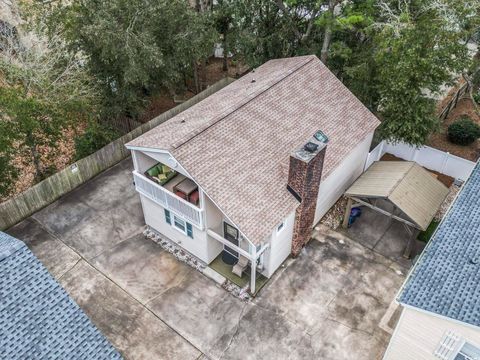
[(253, 271)]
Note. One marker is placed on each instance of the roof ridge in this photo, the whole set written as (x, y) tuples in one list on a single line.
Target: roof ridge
[(394, 187), (247, 100)]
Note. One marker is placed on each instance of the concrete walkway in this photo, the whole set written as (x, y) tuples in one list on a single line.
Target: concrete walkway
[(326, 304)]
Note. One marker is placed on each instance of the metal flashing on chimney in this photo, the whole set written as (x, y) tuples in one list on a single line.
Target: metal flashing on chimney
[(294, 193), (309, 150)]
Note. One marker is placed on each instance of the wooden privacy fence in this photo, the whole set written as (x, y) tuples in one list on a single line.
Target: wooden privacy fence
[(123, 125), (462, 90), (47, 191), (426, 156)]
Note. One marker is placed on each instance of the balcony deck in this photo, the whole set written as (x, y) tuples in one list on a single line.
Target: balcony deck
[(167, 199)]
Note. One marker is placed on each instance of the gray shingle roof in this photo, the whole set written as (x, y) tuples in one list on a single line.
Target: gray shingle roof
[(38, 320), (446, 278)]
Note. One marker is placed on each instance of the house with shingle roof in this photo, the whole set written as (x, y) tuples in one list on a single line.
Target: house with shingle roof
[(441, 296), (245, 174), (38, 319)]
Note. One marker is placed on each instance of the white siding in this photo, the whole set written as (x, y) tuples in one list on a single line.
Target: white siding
[(143, 160), (280, 246), (341, 178), (418, 335), (202, 246)]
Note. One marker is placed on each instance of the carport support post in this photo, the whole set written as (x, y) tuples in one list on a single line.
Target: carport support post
[(348, 210), (413, 232)]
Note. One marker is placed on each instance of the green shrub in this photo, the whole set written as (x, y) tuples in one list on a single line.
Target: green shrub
[(427, 234), (476, 96), (463, 131), (95, 137)]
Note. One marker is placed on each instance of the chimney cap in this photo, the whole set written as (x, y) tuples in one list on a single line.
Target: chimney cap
[(310, 147), (320, 136)]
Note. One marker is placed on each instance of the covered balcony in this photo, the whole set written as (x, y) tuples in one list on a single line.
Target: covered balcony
[(171, 190)]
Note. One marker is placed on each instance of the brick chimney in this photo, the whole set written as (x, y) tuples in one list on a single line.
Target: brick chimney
[(304, 174)]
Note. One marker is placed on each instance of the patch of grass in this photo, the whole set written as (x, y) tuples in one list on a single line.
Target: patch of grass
[(425, 236)]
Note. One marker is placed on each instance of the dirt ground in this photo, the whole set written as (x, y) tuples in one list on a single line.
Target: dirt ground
[(213, 73), (439, 139), (58, 159)]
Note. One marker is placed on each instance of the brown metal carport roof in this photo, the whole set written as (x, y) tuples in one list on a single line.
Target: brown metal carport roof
[(412, 189)]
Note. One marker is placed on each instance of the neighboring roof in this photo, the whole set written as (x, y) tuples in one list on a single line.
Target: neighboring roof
[(236, 143), (38, 320), (446, 278), (411, 188)]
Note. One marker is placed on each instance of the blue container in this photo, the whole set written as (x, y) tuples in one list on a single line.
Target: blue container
[(354, 214)]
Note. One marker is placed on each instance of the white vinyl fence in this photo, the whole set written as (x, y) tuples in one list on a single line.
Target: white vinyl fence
[(430, 158)]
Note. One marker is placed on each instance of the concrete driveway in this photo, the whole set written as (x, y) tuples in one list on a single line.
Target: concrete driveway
[(326, 304)]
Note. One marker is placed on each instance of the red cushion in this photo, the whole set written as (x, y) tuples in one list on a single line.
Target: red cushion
[(194, 196), (181, 194)]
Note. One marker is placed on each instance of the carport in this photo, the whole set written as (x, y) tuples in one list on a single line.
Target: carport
[(414, 193)]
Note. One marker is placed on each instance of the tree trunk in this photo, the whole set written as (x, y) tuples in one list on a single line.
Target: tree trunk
[(471, 87), (327, 37), (36, 160), (195, 77), (326, 44), (203, 82), (225, 53)]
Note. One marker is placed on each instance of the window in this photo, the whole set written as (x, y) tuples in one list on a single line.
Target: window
[(189, 230), (468, 352), (180, 225), (167, 217), (280, 227), (454, 347)]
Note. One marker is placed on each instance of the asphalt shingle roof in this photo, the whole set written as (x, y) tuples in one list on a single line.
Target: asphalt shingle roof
[(38, 320), (446, 278), (236, 143)]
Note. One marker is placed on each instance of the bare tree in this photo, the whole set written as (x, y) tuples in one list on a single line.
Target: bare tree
[(310, 15), (43, 88), (327, 36)]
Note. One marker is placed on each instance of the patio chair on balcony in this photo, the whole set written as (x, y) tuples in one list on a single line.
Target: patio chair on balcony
[(240, 266), (160, 173)]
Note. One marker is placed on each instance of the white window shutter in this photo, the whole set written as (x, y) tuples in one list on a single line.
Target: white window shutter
[(448, 346)]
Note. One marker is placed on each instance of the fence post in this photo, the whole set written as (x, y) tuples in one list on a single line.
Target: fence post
[(415, 154), (380, 153), (444, 162)]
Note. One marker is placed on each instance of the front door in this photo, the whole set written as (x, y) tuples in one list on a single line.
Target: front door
[(230, 256)]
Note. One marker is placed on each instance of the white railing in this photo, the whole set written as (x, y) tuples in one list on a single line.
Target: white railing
[(168, 200), (428, 157)]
